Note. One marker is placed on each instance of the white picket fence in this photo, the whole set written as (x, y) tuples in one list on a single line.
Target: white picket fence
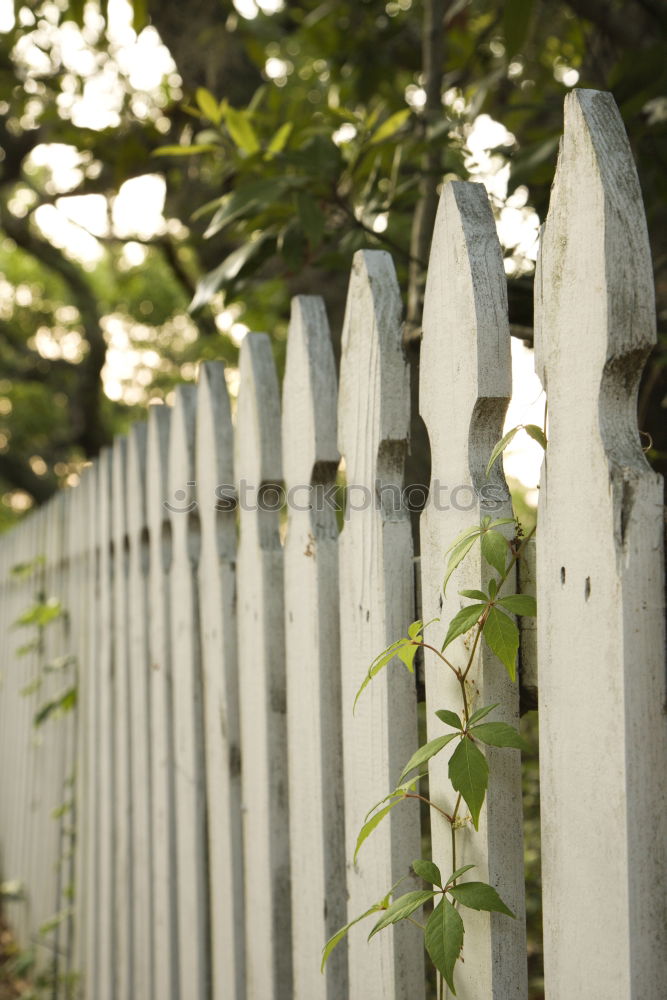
[(215, 775)]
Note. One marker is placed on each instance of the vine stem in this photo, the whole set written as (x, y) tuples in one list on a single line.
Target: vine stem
[(422, 798)]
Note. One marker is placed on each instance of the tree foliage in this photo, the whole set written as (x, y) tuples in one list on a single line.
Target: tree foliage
[(286, 141)]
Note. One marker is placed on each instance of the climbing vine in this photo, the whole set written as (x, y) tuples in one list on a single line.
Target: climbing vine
[(490, 618)]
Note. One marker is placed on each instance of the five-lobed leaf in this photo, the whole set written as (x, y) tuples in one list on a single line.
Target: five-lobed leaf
[(469, 774), (443, 937), (401, 908), (479, 896), (425, 752), (502, 636)]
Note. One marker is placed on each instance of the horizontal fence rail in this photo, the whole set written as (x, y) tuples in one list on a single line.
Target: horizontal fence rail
[(183, 779)]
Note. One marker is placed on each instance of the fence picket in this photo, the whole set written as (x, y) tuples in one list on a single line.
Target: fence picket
[(137, 585), (122, 807), (165, 906), (189, 776), (465, 389), (313, 653), (257, 464), (599, 574), (217, 595), (376, 606)]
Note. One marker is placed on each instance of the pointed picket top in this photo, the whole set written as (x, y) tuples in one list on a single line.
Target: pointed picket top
[(157, 456), (599, 573), (215, 445), (217, 596), (313, 652), (181, 485), (465, 355), (374, 364), (309, 392), (258, 454), (137, 441), (595, 237), (465, 386), (376, 606)]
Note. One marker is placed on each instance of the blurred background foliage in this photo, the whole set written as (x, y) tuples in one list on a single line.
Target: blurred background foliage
[(272, 138)]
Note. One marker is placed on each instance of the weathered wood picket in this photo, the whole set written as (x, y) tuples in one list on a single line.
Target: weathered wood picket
[(188, 832)]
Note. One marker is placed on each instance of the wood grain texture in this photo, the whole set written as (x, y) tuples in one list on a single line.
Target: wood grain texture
[(376, 606), (465, 388), (603, 730), (313, 653), (258, 467), (217, 604)]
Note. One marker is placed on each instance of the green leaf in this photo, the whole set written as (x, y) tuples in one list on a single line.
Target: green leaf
[(398, 792), (516, 21), (463, 621), (536, 433), (459, 872), (377, 665), (519, 604), (403, 907), (469, 774), (339, 935), (230, 268), (501, 445), (479, 896), (449, 718), (494, 549), (208, 105), (372, 823), (279, 140), (481, 712), (241, 131), (245, 199), (184, 150), (41, 614), (427, 751), (406, 655), (443, 938), (311, 217), (458, 551), (428, 871), (475, 595), (499, 734), (391, 126), (502, 635), (493, 589)]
